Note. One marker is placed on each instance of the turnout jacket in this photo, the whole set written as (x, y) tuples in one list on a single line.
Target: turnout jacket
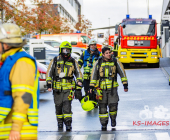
[(19, 94), (69, 68), (106, 72), (87, 60)]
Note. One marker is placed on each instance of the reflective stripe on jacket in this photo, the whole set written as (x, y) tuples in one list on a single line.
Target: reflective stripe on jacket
[(106, 73), (69, 68), (6, 99), (87, 60)]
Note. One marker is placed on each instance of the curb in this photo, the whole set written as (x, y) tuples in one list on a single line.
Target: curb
[(166, 74)]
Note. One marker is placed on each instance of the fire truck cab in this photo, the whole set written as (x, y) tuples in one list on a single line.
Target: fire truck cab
[(137, 38)]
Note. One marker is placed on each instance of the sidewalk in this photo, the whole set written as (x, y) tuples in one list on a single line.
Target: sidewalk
[(165, 65)]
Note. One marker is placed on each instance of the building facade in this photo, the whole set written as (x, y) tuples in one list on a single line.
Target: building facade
[(70, 9), (165, 29)]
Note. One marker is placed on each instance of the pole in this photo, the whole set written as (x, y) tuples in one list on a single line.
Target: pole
[(127, 7), (109, 26), (148, 8)]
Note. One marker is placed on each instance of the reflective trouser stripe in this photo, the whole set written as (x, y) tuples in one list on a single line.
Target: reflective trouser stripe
[(103, 115), (59, 116), (113, 113), (67, 116)]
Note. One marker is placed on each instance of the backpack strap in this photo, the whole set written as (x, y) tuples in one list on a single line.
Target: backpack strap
[(115, 77), (54, 66)]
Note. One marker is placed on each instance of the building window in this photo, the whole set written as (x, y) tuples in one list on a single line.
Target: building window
[(71, 1)]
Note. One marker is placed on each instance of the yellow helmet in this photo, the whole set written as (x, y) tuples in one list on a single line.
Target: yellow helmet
[(11, 35), (87, 105), (65, 44)]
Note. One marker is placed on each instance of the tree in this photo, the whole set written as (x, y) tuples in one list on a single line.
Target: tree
[(83, 24), (43, 16), (48, 19), (18, 13)]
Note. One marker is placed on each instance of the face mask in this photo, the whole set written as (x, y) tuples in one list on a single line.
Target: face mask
[(92, 49), (66, 51)]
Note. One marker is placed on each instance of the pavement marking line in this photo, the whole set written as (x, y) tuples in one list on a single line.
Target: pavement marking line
[(134, 136), (162, 136), (80, 137), (107, 137), (53, 137)]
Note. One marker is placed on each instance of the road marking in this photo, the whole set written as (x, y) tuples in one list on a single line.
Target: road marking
[(107, 137), (54, 137), (80, 137), (162, 136), (134, 136)]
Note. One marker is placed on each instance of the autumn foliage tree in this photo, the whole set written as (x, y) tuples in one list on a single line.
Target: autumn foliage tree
[(20, 14), (48, 19), (83, 24), (42, 16)]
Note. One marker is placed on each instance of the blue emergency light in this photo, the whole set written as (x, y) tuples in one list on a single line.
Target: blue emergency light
[(127, 16), (78, 31), (150, 16)]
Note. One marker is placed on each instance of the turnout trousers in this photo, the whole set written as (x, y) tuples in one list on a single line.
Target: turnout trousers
[(63, 106), (110, 101)]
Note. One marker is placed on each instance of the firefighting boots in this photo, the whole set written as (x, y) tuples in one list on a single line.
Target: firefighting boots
[(104, 128), (60, 125), (104, 125), (68, 126), (113, 122)]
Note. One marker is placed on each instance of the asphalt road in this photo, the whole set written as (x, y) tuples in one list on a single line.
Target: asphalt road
[(143, 112)]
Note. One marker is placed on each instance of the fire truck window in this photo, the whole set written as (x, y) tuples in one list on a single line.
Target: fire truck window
[(85, 39), (73, 40), (139, 29)]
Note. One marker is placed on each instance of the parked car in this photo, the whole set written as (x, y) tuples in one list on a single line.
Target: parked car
[(52, 43), (78, 50), (42, 70), (76, 39)]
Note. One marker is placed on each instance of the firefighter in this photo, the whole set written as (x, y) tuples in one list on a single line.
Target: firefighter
[(60, 78), (19, 90), (105, 70), (87, 59), (115, 51)]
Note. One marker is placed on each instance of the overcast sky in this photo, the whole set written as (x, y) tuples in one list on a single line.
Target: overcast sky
[(98, 11)]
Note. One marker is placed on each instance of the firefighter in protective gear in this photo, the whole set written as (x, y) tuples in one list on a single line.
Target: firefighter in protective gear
[(60, 78), (115, 51), (87, 59), (105, 70), (19, 90)]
